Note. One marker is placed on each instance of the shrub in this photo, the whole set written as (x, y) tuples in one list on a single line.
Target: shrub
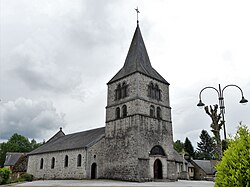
[(234, 168), (4, 175), (26, 177)]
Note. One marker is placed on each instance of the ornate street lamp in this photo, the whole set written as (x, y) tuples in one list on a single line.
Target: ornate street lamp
[(221, 101)]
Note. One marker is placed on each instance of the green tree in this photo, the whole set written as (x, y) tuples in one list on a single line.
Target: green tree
[(188, 147), (16, 143), (205, 148), (4, 175), (234, 168), (178, 146), (19, 143), (34, 144)]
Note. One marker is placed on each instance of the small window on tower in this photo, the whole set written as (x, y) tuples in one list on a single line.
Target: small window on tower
[(118, 92), (124, 111), (152, 111), (117, 113), (124, 90), (150, 90), (154, 91), (158, 112), (121, 91)]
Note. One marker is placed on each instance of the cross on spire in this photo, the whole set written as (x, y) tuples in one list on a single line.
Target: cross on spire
[(137, 12)]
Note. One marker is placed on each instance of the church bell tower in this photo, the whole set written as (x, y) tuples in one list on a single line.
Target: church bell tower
[(138, 132)]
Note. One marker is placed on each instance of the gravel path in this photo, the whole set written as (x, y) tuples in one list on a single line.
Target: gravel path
[(109, 183)]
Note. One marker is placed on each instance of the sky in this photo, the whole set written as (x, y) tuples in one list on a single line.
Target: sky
[(57, 56)]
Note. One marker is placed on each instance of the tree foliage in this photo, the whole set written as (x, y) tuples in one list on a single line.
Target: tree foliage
[(205, 148), (234, 169), (16, 143), (188, 147), (4, 175), (178, 146)]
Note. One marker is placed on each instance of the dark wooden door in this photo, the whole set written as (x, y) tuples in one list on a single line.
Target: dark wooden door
[(158, 169), (93, 171)]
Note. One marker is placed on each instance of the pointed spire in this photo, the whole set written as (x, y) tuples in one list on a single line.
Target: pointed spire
[(137, 60)]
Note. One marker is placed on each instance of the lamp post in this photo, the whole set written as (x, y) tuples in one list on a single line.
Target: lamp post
[(221, 101)]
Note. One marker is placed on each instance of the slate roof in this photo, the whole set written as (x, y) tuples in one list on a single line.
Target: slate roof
[(71, 141), (206, 165), (57, 135), (137, 60), (178, 157), (11, 158)]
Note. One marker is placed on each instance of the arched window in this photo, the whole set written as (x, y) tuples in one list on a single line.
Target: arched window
[(66, 161), (41, 163), (79, 160), (152, 111), (154, 91), (158, 112), (124, 90), (157, 150), (117, 113), (150, 90), (118, 93), (53, 160), (121, 91), (124, 111), (157, 92)]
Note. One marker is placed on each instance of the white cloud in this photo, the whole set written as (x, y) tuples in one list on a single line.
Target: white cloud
[(33, 119), (65, 51)]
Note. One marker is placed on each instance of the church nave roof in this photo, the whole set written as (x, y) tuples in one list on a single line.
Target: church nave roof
[(71, 141)]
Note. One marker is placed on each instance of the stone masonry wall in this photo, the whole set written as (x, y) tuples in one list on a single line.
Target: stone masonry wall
[(129, 140), (138, 89), (95, 154), (59, 172)]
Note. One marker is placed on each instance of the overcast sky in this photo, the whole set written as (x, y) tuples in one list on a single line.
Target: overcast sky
[(57, 56)]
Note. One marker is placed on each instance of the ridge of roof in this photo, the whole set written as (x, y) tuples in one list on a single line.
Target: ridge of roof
[(77, 140), (137, 60), (206, 165), (59, 134)]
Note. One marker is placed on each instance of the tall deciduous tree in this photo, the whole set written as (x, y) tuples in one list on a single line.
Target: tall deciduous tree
[(205, 148), (234, 168), (216, 126), (188, 147)]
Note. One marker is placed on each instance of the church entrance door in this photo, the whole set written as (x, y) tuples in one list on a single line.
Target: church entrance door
[(93, 171), (158, 169)]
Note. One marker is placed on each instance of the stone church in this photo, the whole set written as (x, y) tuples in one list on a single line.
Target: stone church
[(136, 143)]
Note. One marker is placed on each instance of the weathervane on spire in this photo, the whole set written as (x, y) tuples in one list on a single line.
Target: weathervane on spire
[(137, 11)]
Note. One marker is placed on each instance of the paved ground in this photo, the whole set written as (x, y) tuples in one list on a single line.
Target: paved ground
[(109, 183)]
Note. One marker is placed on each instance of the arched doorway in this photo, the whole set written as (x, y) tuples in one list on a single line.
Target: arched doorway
[(93, 171), (158, 169)]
